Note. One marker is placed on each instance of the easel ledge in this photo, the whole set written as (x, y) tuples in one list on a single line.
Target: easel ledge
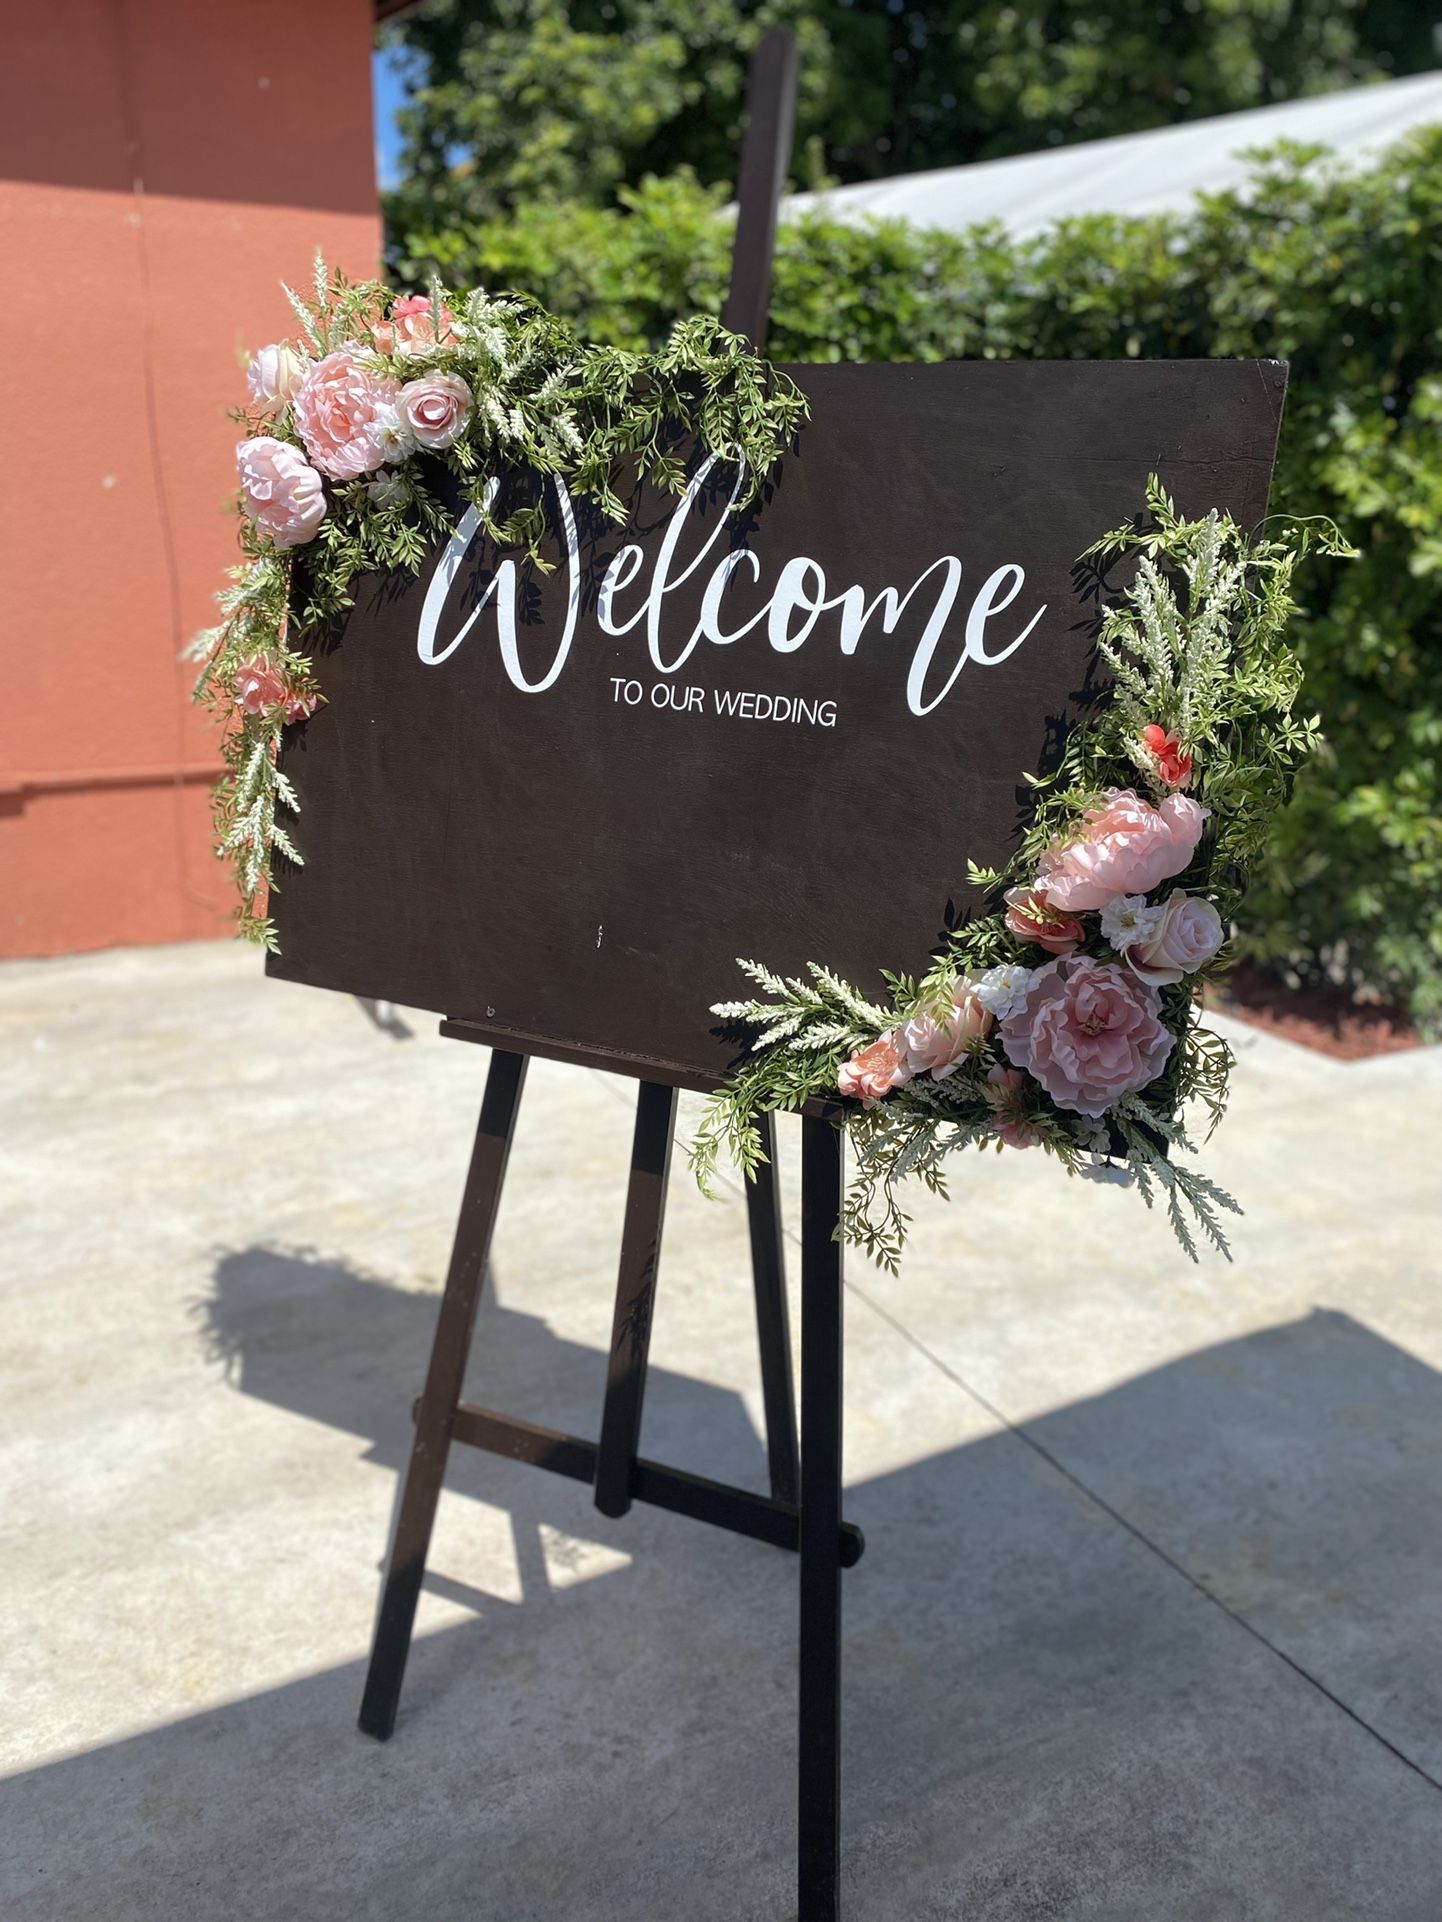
[(636, 1067)]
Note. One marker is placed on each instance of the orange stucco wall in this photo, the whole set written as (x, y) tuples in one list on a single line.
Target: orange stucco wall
[(163, 164)]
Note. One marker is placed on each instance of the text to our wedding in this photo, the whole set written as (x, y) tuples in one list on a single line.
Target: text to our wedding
[(797, 606)]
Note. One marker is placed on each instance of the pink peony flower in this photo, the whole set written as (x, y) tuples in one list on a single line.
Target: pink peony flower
[(1006, 1094), (1125, 846), (1174, 767), (411, 328), (935, 1046), (345, 415), (300, 707), (1088, 1032), (259, 686), (282, 494), (1189, 933), (1031, 915), (274, 375), (436, 408), (874, 1072)]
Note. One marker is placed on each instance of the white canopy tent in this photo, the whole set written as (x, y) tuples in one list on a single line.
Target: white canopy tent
[(1142, 173)]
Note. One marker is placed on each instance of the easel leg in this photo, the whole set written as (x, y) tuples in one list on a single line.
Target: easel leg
[(436, 1416), (635, 1296), (819, 1815), (773, 1323)]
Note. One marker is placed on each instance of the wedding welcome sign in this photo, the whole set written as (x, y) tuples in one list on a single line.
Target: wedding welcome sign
[(559, 804), (567, 691)]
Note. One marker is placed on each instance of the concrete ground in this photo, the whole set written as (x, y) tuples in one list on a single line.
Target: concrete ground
[(1146, 1626)]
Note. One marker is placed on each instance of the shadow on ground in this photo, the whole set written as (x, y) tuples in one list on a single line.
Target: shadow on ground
[(1211, 1710)]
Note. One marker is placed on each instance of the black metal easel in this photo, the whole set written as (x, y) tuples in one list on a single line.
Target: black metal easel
[(803, 1510)]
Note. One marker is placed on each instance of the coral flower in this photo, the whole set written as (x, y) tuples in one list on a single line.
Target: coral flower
[(1030, 915), (1174, 767), (411, 328), (872, 1074)]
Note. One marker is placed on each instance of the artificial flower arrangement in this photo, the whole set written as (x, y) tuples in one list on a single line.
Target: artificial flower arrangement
[(356, 431), (1068, 1017)]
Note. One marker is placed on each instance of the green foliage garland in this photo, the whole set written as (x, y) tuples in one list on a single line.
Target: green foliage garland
[(536, 398), (1197, 650)]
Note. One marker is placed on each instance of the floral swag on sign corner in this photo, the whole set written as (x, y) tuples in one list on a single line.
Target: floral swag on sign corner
[(1066, 1017)]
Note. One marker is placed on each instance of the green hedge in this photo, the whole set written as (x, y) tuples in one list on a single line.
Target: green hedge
[(1340, 273)]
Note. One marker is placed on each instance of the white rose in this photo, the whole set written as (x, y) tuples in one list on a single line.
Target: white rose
[(274, 375), (1188, 934)]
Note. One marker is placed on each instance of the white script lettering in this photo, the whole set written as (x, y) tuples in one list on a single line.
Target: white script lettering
[(789, 615)]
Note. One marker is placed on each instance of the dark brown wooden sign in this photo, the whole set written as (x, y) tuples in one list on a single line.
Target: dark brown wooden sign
[(560, 805)]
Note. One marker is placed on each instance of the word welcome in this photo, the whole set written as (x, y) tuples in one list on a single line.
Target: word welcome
[(788, 616), (726, 700)]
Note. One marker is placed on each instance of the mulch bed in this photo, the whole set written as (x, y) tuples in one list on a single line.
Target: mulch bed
[(1325, 1018)]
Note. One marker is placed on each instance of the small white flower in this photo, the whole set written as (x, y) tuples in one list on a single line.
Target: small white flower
[(387, 490), (1129, 919), (1001, 991), (1100, 1169), (391, 434), (1093, 1135)]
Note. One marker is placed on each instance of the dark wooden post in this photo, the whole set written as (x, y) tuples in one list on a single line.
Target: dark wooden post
[(436, 1417), (819, 1774), (773, 1319), (635, 1296), (765, 156)]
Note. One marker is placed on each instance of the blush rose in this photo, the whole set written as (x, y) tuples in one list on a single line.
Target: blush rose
[(436, 409), (259, 686), (1188, 934), (1125, 846), (1088, 1032), (280, 491), (345, 415), (934, 1042)]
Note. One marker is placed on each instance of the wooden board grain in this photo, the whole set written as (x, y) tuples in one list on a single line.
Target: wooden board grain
[(578, 866)]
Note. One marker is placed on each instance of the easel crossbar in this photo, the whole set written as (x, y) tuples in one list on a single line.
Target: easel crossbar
[(761, 1517)]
